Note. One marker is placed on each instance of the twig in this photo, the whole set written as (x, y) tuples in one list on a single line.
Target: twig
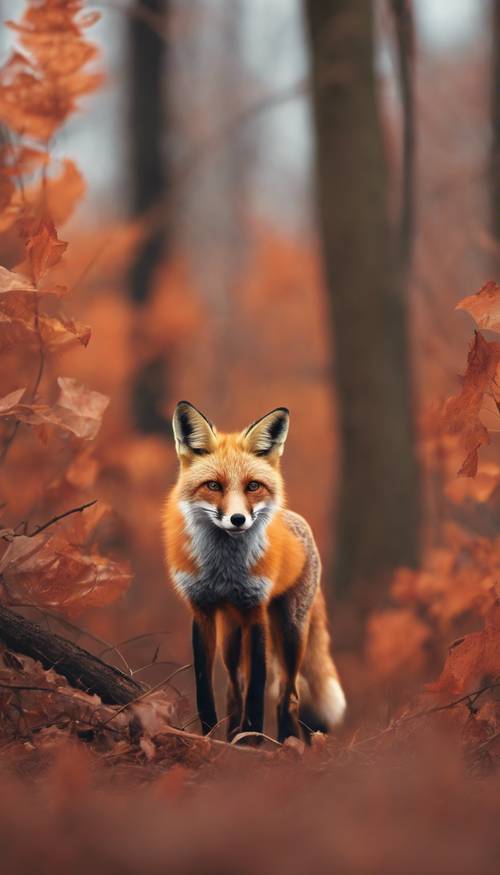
[(60, 516), (471, 697), (149, 691), (242, 735), (130, 641)]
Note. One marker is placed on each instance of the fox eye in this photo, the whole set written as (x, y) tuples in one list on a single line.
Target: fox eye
[(213, 485), (253, 486)]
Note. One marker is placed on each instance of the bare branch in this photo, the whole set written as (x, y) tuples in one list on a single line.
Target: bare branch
[(60, 516)]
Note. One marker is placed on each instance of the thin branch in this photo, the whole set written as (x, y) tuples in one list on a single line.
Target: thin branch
[(148, 692), (74, 626), (131, 641), (471, 698), (60, 516)]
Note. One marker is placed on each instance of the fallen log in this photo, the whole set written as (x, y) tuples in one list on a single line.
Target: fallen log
[(80, 668)]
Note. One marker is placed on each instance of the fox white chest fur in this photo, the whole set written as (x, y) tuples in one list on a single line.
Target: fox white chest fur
[(224, 563)]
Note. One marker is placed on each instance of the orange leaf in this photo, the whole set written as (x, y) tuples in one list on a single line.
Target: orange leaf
[(484, 306), (8, 402), (462, 411), (78, 410), (20, 324), (49, 571), (44, 249), (473, 659), (12, 282)]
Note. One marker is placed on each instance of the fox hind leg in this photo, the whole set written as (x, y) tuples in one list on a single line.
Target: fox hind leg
[(289, 634)]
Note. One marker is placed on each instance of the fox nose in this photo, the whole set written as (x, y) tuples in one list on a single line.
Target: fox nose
[(237, 520)]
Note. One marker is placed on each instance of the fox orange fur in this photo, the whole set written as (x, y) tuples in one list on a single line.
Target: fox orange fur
[(249, 570)]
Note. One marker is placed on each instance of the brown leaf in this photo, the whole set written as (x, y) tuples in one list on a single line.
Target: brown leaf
[(44, 249), (8, 402), (82, 409), (20, 324), (12, 282), (473, 659), (462, 411), (56, 195), (78, 410), (484, 306), (51, 572)]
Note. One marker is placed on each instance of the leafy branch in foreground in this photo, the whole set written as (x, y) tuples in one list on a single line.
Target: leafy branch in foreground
[(41, 83)]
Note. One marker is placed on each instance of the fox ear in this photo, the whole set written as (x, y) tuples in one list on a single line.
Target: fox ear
[(266, 436), (194, 434)]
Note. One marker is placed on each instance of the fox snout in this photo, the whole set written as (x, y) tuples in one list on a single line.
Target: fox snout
[(237, 522)]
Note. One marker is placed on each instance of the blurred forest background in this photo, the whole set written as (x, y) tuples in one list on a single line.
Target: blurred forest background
[(280, 204)]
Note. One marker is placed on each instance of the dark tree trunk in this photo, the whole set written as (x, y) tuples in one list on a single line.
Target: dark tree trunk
[(402, 11), (495, 112), (148, 59), (378, 511)]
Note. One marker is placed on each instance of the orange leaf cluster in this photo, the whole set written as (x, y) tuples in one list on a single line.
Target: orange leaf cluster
[(78, 410), (51, 572), (476, 409), (462, 413), (41, 83), (64, 568), (457, 582), (39, 86), (21, 321)]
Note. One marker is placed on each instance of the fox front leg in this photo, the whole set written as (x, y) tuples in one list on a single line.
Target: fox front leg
[(253, 715), (231, 653), (203, 658)]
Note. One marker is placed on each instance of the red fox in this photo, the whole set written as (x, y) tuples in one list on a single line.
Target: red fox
[(249, 570)]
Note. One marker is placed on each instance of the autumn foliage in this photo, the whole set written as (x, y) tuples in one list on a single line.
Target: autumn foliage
[(424, 694)]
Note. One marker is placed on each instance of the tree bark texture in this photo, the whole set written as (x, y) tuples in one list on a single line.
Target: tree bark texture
[(378, 509)]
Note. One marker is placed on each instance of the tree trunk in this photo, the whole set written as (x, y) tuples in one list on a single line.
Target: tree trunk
[(402, 11), (378, 510), (148, 57), (495, 120)]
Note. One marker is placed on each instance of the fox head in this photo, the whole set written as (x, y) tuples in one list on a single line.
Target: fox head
[(230, 480)]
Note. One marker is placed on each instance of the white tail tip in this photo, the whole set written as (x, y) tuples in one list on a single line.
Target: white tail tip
[(332, 704)]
